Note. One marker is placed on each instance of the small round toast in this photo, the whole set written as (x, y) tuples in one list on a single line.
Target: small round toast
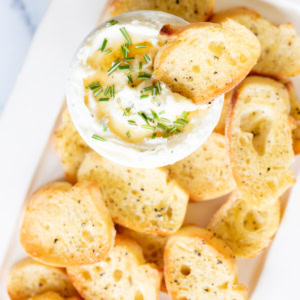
[(190, 10), (206, 173), (202, 61), (259, 136), (246, 230), (124, 274), (280, 44), (144, 200), (198, 265), (67, 225), (70, 146), (29, 277), (52, 296)]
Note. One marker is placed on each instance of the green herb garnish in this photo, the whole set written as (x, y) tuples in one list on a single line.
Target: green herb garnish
[(103, 99), (128, 58), (147, 58), (165, 120), (107, 90), (153, 135), (145, 76), (140, 65), (128, 134), (113, 68), (161, 112), (124, 67), (185, 115), (103, 45), (131, 122), (126, 35), (149, 127), (111, 22), (127, 111), (144, 96), (130, 79), (143, 116), (161, 126), (112, 91), (140, 46), (158, 86), (107, 51), (99, 138), (155, 116)]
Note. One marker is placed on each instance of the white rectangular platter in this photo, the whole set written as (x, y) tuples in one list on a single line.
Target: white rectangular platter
[(28, 159)]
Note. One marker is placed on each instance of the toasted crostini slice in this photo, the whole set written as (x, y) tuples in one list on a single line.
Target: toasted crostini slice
[(70, 147), (246, 230), (28, 277), (280, 44), (198, 265), (206, 173), (144, 200), (190, 10), (205, 60), (52, 296), (124, 274), (67, 225), (260, 140)]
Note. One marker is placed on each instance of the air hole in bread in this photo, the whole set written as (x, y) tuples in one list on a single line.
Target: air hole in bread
[(243, 58), (170, 211), (252, 221), (223, 286), (216, 48), (86, 275), (258, 125), (87, 236), (107, 260), (185, 270), (196, 69), (138, 296), (117, 275), (98, 269)]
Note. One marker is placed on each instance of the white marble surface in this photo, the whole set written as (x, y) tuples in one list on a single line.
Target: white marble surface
[(18, 21)]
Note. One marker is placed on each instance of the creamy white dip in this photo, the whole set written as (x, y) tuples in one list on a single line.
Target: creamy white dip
[(123, 113)]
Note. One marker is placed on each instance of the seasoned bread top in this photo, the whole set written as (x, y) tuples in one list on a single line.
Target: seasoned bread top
[(280, 44), (260, 140), (145, 200), (204, 60), (190, 10), (67, 225), (246, 230), (206, 173), (198, 265), (29, 277), (52, 296), (124, 274)]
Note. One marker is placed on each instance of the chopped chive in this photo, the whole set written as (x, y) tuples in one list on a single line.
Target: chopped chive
[(112, 91), (93, 85), (154, 91), (140, 65), (161, 126), (131, 122), (107, 90), (185, 115), (183, 121), (130, 79), (165, 120), (144, 96), (111, 22), (127, 111), (126, 35), (143, 116), (104, 128), (153, 135), (158, 86), (128, 134), (113, 68), (178, 124), (166, 134), (140, 46), (125, 50), (155, 116), (162, 112), (107, 51), (103, 99), (97, 91), (124, 67), (145, 76), (148, 88), (154, 71), (148, 127), (99, 138), (172, 129), (147, 58), (103, 45), (129, 58)]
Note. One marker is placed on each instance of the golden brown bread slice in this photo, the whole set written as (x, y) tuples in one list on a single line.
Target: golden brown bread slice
[(198, 265), (190, 10), (260, 140), (52, 296), (70, 147), (67, 225), (295, 114), (144, 200), (124, 274), (29, 277), (152, 245), (206, 173), (280, 44), (246, 230), (204, 60), (220, 128)]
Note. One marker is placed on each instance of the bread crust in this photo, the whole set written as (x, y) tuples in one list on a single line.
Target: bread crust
[(225, 57)]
